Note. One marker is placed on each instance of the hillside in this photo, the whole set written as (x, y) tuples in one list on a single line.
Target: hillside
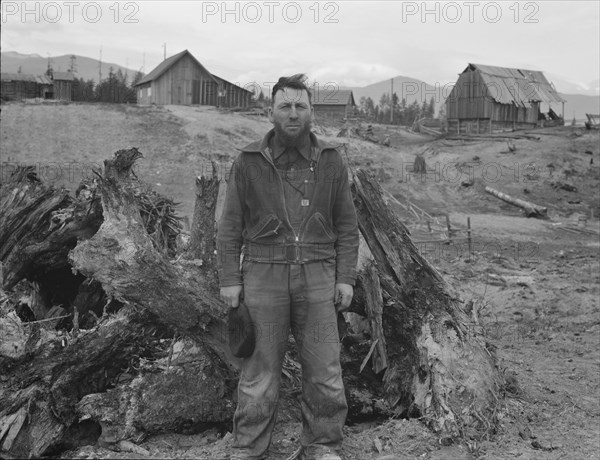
[(563, 85), (86, 68), (578, 105)]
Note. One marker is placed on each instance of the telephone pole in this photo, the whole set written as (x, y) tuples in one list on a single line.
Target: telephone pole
[(100, 66), (392, 103), (164, 51)]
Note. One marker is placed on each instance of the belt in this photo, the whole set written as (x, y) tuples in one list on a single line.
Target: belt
[(288, 253)]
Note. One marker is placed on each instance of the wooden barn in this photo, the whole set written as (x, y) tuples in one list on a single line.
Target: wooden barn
[(333, 103), (487, 98), (63, 85), (17, 86), (182, 80), (231, 95)]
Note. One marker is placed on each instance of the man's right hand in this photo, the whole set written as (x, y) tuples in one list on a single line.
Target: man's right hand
[(231, 295)]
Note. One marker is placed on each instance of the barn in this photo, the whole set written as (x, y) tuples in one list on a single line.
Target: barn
[(334, 103), (182, 80), (17, 86), (63, 85), (487, 98)]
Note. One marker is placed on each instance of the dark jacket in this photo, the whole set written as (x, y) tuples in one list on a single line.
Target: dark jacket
[(255, 217)]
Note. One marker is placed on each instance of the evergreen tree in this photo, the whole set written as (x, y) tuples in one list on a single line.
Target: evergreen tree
[(412, 112), (362, 105), (395, 109), (137, 77), (424, 109), (114, 88), (369, 107), (431, 108)]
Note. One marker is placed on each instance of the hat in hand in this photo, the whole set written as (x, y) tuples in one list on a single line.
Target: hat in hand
[(242, 336)]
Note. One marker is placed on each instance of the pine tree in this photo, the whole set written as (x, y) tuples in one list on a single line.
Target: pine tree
[(431, 108), (370, 107), (424, 109)]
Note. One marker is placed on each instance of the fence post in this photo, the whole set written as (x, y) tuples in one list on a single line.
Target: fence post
[(449, 228), (469, 236)]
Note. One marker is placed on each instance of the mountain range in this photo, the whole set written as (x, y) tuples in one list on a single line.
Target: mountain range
[(581, 98), (85, 67)]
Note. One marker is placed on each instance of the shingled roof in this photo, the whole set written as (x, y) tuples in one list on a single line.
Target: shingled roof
[(166, 64), (42, 79), (332, 97), (516, 86), (222, 80)]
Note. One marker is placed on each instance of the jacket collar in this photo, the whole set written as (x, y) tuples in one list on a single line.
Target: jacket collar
[(262, 146)]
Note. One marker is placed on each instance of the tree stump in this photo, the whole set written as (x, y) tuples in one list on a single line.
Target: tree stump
[(426, 356), (438, 366)]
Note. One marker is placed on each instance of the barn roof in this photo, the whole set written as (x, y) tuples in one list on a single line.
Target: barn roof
[(332, 97), (68, 76), (42, 79), (166, 65), (219, 79), (516, 86)]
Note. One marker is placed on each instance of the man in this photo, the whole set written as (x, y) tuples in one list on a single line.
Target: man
[(289, 207)]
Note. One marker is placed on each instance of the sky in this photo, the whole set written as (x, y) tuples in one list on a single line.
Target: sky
[(349, 43)]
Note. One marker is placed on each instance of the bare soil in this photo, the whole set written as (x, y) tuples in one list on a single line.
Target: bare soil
[(536, 282)]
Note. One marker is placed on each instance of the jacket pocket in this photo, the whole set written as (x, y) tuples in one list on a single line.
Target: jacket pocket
[(324, 225), (268, 226)]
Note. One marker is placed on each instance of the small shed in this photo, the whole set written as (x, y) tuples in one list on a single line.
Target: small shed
[(487, 98), (63, 85), (17, 86), (182, 80), (333, 103)]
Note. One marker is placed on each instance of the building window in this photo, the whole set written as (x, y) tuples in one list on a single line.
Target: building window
[(149, 91)]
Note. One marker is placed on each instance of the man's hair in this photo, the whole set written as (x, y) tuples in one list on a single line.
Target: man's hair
[(297, 81)]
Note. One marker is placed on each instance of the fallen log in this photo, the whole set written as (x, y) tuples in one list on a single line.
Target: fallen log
[(531, 209), (492, 137)]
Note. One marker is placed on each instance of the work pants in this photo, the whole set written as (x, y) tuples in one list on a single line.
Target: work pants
[(299, 297)]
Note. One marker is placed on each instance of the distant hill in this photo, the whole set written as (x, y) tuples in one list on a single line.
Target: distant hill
[(86, 68), (568, 87), (409, 88), (579, 105)]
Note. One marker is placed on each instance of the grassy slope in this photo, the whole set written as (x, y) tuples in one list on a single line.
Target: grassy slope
[(65, 141)]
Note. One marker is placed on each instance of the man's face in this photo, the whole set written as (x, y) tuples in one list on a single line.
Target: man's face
[(291, 115)]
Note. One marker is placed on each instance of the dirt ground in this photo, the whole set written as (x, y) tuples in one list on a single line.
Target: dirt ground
[(536, 281)]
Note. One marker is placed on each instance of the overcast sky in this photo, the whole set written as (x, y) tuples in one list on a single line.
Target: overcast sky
[(351, 43)]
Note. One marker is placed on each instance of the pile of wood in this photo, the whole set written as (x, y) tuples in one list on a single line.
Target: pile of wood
[(157, 360)]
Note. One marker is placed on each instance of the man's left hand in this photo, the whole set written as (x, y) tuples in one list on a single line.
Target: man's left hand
[(343, 296)]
